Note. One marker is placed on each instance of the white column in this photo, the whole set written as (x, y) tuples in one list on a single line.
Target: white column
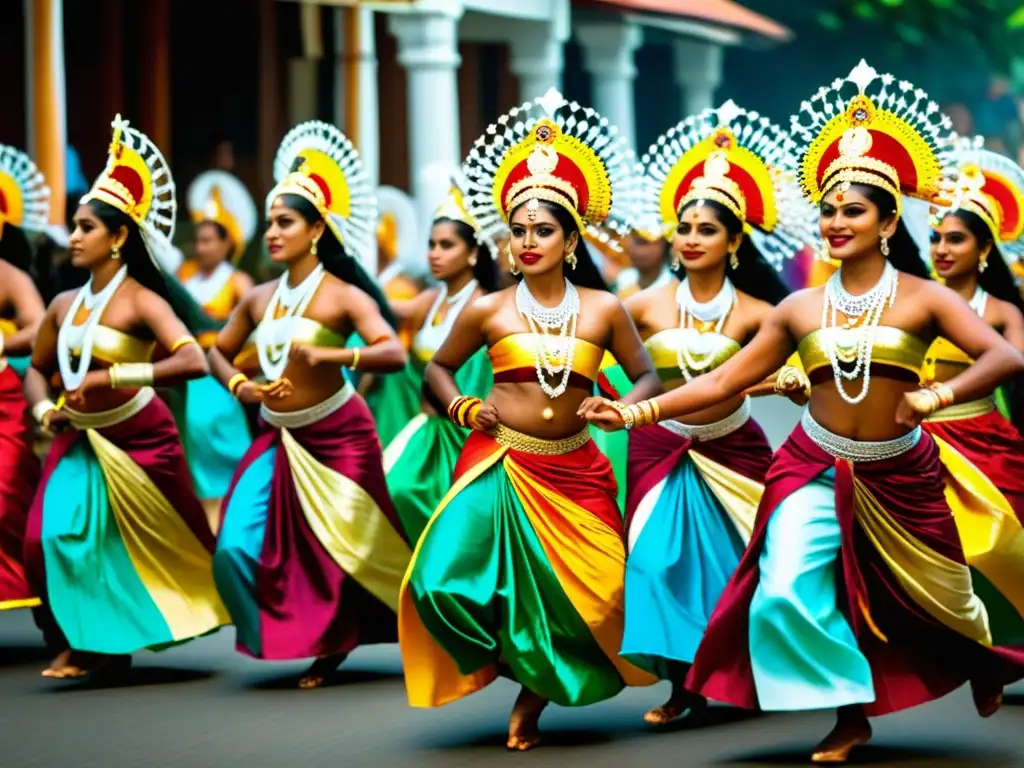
[(698, 73), (608, 58), (302, 71), (537, 61), (428, 50), (356, 89)]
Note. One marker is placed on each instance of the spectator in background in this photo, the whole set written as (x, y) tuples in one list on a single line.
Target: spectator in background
[(998, 118), (963, 120)]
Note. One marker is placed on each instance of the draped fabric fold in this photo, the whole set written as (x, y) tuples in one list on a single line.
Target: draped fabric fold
[(903, 584), (118, 546), (215, 434), (310, 556), (19, 475), (519, 570)]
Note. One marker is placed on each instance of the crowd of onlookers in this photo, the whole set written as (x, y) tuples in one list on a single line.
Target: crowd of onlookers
[(998, 116)]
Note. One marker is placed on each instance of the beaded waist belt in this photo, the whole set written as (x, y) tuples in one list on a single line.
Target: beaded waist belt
[(104, 419), (714, 430), (520, 441), (967, 410), (857, 450), (307, 416)]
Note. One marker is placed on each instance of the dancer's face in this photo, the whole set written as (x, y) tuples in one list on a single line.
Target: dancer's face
[(701, 241), (91, 243), (211, 249), (955, 249), (852, 224), (646, 255), (289, 236), (449, 255), (538, 242)]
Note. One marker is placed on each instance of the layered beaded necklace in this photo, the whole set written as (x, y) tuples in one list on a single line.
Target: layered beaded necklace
[(979, 301), (274, 334), (552, 354), (80, 337), (694, 353), (854, 340)]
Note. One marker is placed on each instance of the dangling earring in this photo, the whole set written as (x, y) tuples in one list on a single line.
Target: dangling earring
[(676, 262), (115, 252), (512, 263), (571, 259), (312, 249), (734, 260), (472, 261), (822, 252), (983, 264), (884, 246)]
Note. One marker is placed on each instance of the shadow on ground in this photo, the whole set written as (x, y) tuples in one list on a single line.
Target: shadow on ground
[(916, 755)]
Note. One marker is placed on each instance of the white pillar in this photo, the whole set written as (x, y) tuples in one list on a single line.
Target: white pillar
[(537, 61), (302, 71), (698, 73), (428, 50), (356, 85), (608, 58)]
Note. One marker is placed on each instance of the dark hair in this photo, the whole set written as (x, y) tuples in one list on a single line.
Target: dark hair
[(144, 270), (15, 248), (336, 261), (219, 228), (903, 251), (753, 275), (485, 271), (586, 274)]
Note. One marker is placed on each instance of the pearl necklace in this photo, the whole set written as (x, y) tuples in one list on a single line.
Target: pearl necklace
[(274, 334), (438, 333), (71, 336), (715, 311), (854, 341), (979, 301), (541, 319)]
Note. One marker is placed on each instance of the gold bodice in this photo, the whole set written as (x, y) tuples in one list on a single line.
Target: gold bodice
[(112, 346), (892, 347), (707, 350), (943, 353), (517, 352), (304, 331)]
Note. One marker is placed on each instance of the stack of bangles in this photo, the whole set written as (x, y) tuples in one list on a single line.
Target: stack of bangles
[(235, 382), (933, 398), (463, 409), (130, 375), (639, 414)]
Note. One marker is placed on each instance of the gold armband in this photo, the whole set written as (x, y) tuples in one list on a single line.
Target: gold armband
[(131, 375), (43, 407), (462, 409), (945, 393), (183, 341), (235, 382), (355, 359)]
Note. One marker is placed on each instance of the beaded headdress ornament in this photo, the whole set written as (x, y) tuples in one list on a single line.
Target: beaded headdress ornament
[(220, 197), (24, 196)]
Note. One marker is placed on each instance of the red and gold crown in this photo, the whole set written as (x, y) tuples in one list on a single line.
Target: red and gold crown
[(317, 162), (219, 197), (738, 159), (24, 196), (554, 150), (888, 135)]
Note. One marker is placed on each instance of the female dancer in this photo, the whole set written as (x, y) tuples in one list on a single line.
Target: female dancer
[(310, 555), (420, 460), (650, 257), (215, 431), (520, 568), (857, 488), (694, 487), (117, 547), (24, 205)]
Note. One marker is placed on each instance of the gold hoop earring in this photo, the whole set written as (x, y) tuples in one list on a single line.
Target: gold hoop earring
[(512, 263), (571, 259), (884, 246), (115, 252), (734, 260), (312, 249), (983, 264)]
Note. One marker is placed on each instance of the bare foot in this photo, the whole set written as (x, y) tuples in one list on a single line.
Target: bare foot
[(60, 665), (320, 670), (987, 698), (682, 703), (851, 731), (523, 725)]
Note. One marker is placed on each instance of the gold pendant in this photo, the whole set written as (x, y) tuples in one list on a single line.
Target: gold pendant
[(547, 414)]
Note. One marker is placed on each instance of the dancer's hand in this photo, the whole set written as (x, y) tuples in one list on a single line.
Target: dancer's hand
[(278, 389), (308, 354), (792, 383), (93, 380), (485, 418), (601, 413), (249, 393), (914, 407), (54, 422)]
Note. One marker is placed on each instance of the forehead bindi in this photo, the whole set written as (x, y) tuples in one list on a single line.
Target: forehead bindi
[(536, 217)]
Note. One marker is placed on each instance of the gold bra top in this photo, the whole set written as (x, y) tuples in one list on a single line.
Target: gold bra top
[(893, 347), (667, 346), (305, 331), (113, 346), (943, 352), (513, 357)]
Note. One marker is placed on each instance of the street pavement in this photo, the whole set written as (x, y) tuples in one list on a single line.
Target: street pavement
[(204, 706)]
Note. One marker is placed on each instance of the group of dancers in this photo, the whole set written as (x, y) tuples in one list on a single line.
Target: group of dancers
[(577, 497)]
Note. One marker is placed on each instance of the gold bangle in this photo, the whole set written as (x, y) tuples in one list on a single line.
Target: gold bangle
[(355, 359), (945, 393), (43, 407), (657, 410), (925, 401), (235, 382), (183, 341), (131, 375), (462, 409)]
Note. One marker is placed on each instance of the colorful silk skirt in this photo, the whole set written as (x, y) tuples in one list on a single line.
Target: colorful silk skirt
[(983, 455), (520, 572), (19, 475), (118, 546), (310, 555), (215, 434), (854, 588), (693, 496)]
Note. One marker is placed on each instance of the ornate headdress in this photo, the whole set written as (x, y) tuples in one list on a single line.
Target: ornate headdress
[(738, 159), (137, 181), (888, 135), (24, 196), (991, 186), (317, 162), (219, 197), (454, 208), (554, 150)]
